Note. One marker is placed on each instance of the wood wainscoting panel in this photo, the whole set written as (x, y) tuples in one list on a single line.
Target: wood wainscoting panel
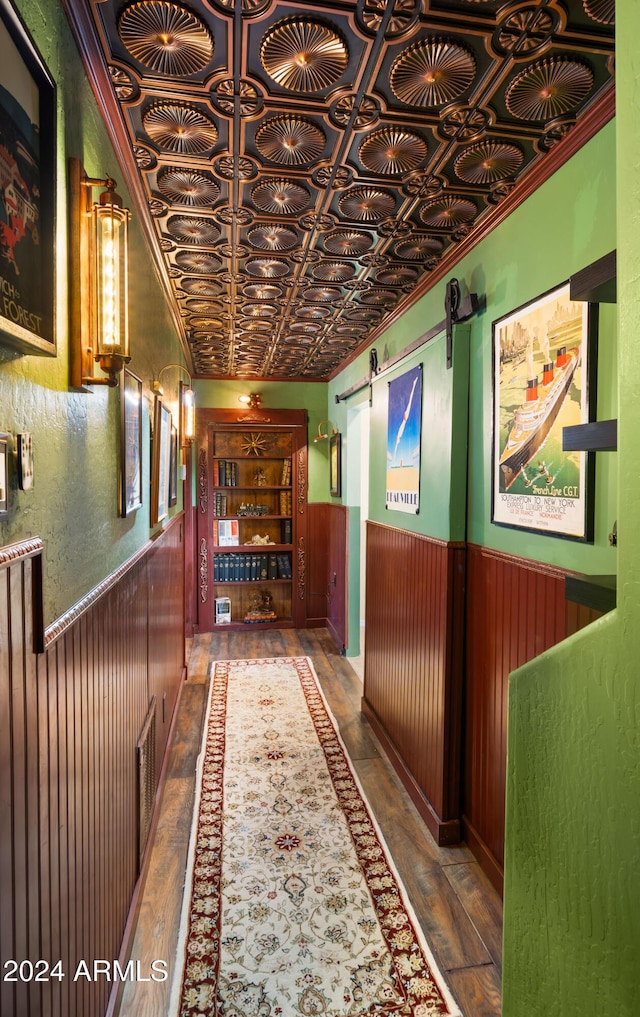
[(328, 569), (318, 564), (515, 610), (166, 564), (70, 718), (413, 672)]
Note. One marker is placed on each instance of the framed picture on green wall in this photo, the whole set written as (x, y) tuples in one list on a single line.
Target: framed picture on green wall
[(404, 438), (541, 359), (27, 195), (130, 443), (4, 476)]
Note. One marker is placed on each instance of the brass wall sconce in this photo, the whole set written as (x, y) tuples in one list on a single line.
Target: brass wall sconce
[(187, 403), (253, 400), (99, 317), (322, 435)]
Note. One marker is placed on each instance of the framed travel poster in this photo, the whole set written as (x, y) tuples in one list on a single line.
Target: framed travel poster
[(130, 443), (541, 356), (403, 442), (27, 193)]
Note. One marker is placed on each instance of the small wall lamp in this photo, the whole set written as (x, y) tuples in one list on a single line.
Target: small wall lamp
[(187, 402), (99, 313), (253, 400), (321, 435)]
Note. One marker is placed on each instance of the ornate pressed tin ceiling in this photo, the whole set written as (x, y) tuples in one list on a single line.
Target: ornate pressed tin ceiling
[(306, 164)]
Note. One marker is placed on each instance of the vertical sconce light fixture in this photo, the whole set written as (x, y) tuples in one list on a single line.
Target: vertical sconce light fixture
[(187, 403), (98, 281)]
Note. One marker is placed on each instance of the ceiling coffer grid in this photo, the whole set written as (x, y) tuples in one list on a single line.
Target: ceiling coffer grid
[(305, 164)]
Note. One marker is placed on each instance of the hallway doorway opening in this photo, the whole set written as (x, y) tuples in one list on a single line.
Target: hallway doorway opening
[(358, 502)]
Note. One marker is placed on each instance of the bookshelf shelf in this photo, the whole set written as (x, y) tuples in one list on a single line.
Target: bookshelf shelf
[(250, 582), (252, 481)]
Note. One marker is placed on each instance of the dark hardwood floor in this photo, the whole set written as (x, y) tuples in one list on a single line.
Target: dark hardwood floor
[(459, 911)]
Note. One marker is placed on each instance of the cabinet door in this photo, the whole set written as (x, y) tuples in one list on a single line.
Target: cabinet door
[(252, 488)]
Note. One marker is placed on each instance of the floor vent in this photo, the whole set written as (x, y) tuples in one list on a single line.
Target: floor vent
[(146, 752)]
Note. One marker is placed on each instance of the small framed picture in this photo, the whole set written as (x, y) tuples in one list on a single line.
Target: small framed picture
[(25, 462), (4, 476), (335, 465), (173, 467), (160, 462), (130, 443)]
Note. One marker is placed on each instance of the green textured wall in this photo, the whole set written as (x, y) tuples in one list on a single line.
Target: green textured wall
[(572, 892), (73, 504), (309, 396)]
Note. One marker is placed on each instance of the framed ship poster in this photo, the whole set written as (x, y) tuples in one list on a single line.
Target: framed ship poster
[(403, 442), (541, 358)]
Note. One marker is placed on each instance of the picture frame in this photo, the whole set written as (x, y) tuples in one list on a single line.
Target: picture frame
[(543, 355), (404, 442), (27, 134), (173, 467), (130, 486), (160, 461), (4, 476), (335, 465), (25, 461)]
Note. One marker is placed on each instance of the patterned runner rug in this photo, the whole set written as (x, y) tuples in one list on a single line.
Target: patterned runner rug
[(292, 907)]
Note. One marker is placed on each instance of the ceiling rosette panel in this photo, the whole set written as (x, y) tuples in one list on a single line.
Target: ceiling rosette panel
[(306, 165)]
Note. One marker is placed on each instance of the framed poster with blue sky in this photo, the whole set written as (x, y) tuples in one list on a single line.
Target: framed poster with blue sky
[(403, 441)]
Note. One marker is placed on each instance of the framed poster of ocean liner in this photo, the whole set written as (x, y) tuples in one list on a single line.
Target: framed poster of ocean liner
[(27, 190), (541, 359)]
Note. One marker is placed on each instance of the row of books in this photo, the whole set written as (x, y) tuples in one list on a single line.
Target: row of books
[(225, 473), (286, 472), (220, 504), (242, 568), (285, 503)]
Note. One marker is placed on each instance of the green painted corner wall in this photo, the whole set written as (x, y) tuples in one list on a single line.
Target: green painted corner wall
[(73, 504), (572, 893)]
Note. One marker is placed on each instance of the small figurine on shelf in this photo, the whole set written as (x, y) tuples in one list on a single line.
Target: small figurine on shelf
[(260, 608), (259, 477), (257, 539)]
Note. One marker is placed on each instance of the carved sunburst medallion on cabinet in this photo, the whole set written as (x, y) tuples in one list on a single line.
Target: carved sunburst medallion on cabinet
[(255, 444)]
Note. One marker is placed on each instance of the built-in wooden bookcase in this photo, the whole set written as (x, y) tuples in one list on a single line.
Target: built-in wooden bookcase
[(251, 505)]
